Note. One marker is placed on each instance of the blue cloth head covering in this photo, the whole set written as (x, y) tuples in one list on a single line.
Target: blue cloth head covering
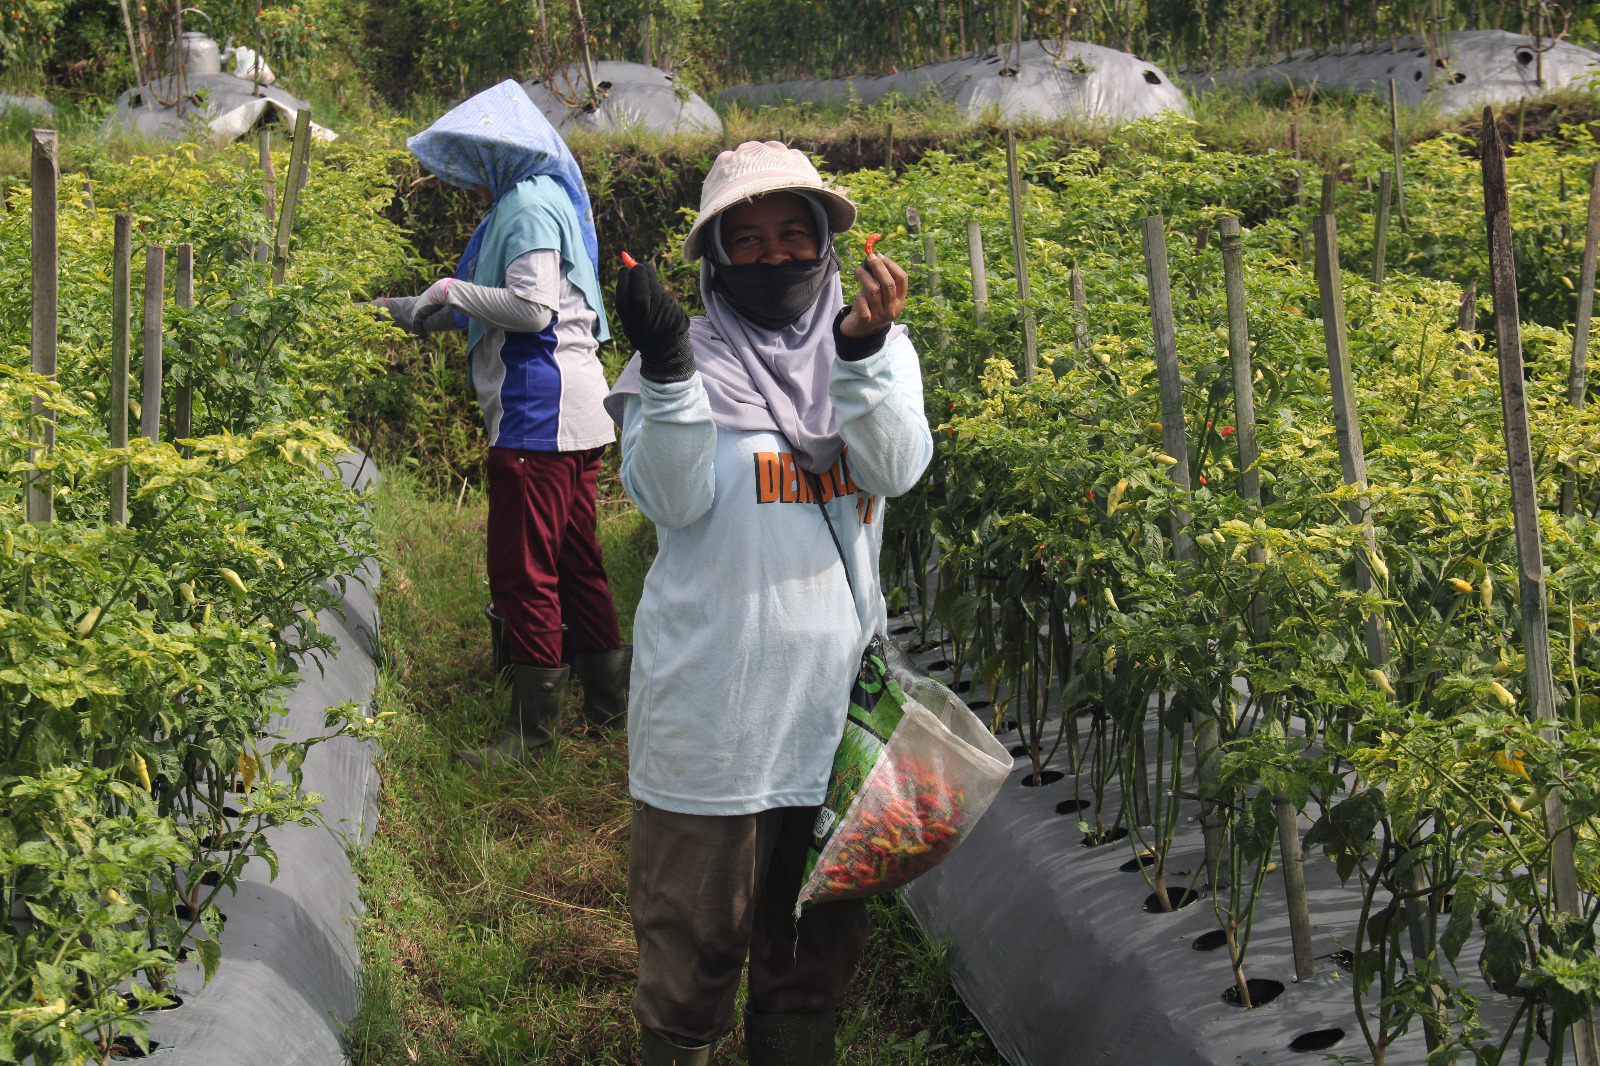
[(498, 139)]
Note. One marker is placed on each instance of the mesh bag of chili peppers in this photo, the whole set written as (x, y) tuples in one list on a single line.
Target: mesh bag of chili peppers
[(912, 775)]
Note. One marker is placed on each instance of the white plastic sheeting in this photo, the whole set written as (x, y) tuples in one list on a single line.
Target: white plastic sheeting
[(227, 109), (34, 105), (1463, 71), (1041, 80), (627, 96)]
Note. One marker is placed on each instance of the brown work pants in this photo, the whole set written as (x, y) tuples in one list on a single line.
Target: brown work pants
[(705, 891)]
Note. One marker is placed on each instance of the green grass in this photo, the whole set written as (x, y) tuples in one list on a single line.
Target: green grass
[(497, 928)]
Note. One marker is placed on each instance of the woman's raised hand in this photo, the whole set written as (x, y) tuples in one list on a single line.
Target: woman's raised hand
[(881, 300), (655, 323)]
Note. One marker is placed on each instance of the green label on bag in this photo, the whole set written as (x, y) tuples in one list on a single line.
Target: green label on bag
[(876, 707)]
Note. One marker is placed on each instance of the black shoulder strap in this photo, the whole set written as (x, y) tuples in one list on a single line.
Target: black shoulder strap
[(816, 492)]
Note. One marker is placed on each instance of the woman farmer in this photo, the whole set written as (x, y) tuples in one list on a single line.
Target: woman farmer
[(746, 433), (529, 297)]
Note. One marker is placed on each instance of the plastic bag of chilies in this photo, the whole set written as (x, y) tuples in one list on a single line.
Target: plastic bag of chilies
[(912, 775)]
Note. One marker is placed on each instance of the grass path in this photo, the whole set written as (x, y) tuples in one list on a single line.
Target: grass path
[(498, 929)]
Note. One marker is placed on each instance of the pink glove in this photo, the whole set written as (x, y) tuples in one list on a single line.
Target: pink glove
[(437, 295)]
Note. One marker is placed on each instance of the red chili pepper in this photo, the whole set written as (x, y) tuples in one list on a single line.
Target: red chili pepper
[(628, 260), (872, 240), (1226, 431), (1202, 479)]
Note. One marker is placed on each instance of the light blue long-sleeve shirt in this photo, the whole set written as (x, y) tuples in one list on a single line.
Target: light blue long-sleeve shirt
[(746, 640)]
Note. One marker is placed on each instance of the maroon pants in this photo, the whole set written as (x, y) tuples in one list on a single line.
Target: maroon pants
[(545, 566)]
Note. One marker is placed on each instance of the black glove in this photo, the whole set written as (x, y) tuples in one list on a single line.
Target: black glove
[(854, 349), (655, 325)]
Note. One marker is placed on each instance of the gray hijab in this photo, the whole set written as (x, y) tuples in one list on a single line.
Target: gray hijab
[(758, 379)]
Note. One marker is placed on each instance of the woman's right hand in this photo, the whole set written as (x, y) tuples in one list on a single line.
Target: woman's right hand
[(655, 324)]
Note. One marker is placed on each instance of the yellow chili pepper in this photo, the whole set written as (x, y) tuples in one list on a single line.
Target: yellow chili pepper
[(1501, 693), (1380, 681), (232, 578), (1461, 585), (141, 771)]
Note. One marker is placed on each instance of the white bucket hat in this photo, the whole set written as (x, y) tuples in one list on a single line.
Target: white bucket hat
[(754, 169)]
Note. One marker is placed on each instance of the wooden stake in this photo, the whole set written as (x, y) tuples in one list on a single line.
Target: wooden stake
[(1466, 323), (291, 194), (1347, 421), (1163, 330), (183, 400), (121, 342), (1540, 684), (888, 148), (1019, 251), (1399, 164), (1380, 229), (46, 179), (1080, 303), (1577, 372), (1330, 190), (1244, 422)]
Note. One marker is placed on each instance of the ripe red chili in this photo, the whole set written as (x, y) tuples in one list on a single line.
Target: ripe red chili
[(872, 240), (628, 260)]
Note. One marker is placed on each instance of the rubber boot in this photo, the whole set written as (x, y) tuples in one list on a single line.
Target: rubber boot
[(788, 1039), (604, 677), (537, 697), (654, 1051)]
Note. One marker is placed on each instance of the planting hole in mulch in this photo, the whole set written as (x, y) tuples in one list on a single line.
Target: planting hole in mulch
[(1263, 990), (184, 913), (900, 631), (978, 705), (1179, 898), (1019, 751), (1072, 806), (171, 1001), (123, 1047), (938, 664), (1138, 862), (964, 686), (211, 878), (1344, 959), (1316, 1040), (1095, 840), (229, 812), (1046, 777), (1217, 938)]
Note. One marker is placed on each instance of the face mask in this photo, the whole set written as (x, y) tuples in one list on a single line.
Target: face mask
[(773, 296)]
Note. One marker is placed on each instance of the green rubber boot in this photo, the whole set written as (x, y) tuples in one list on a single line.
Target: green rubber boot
[(537, 696), (654, 1051), (604, 677), (788, 1039)]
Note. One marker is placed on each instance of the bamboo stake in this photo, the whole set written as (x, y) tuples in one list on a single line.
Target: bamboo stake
[(155, 287), (1399, 164), (183, 400), (1080, 301), (269, 193), (1164, 334), (291, 194), (1347, 420), (1577, 374), (121, 342), (1019, 251), (45, 252), (1290, 856), (1380, 229), (980, 276), (1540, 683)]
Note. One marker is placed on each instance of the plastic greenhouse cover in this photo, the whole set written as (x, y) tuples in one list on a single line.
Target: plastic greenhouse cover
[(1041, 79), (289, 980), (1462, 71), (228, 109), (628, 96)]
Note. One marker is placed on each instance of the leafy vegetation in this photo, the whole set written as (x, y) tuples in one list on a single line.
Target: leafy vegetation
[(1062, 542), (143, 662)]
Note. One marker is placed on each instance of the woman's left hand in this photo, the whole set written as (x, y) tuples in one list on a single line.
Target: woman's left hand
[(881, 300)]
